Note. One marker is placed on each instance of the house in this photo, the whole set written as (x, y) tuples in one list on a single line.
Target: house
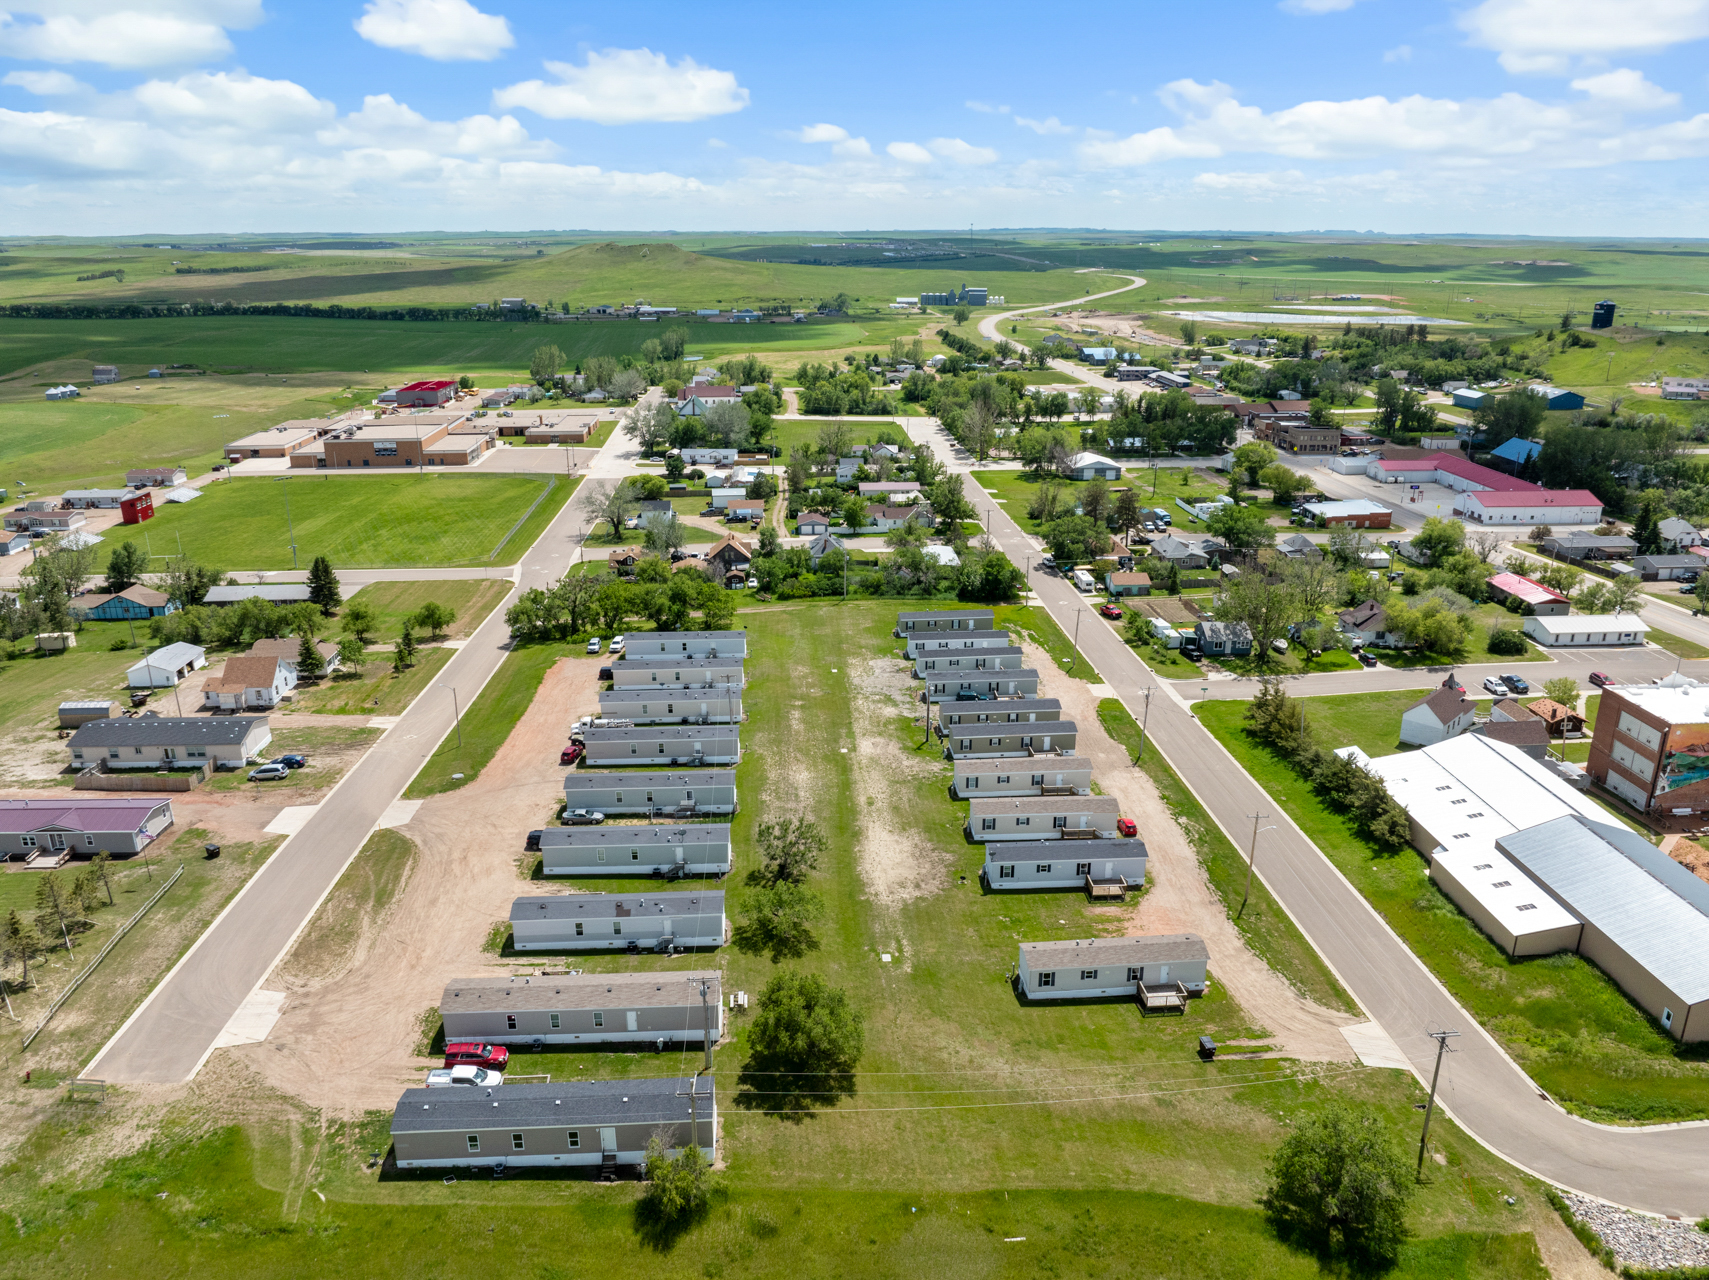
[(1063, 777), (1355, 513), (811, 524), (664, 745), (1296, 546), (105, 373), (708, 457), (1685, 388), (957, 663), (249, 682), (81, 825), (1651, 745), (1668, 567), (1578, 545), (892, 491), (1678, 534), (1232, 639), (730, 555), (1043, 818), (690, 644), (287, 651), (166, 666), (1152, 969), (622, 561), (1006, 683), (1561, 721), (1125, 584), (722, 705), (945, 620), (846, 468), (678, 673), (619, 921), (1444, 713), (1470, 398), (82, 711), (135, 602), (1534, 596), (693, 402), (745, 509), (1586, 630), (14, 542), (1104, 868), (941, 644), (1530, 735), (882, 519), (677, 1008), (698, 849), (280, 593), (1188, 553), (1557, 397), (1251, 346), (579, 1123), (670, 794), (275, 442), (822, 546), (155, 742), (1025, 740), (1007, 711), (95, 499), (429, 393), (1093, 466), (1366, 623), (48, 521)]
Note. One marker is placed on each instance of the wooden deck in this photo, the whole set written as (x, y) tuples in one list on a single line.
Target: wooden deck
[(1164, 996), (1116, 888)]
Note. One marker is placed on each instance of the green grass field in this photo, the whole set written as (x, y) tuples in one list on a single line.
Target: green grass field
[(355, 521), (472, 599)]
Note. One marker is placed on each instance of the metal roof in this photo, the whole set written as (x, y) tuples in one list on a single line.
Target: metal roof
[(664, 733), (1036, 805), (616, 906), (945, 614), (81, 814), (683, 662), (147, 730), (1052, 850), (1640, 899), (171, 657), (570, 1104), (636, 834), (579, 991), (1152, 949), (579, 781)]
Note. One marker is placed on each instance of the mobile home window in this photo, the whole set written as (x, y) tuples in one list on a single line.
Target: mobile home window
[(1043, 868), (557, 1021), (510, 1021), (995, 742), (1006, 872), (616, 926), (634, 855), (578, 928), (89, 842), (599, 856), (1133, 975), (598, 1018), (1088, 975), (1047, 979), (1023, 822), (1060, 820), (971, 783), (1038, 779), (575, 1139), (1082, 868), (987, 824), (620, 797), (516, 1142), (1002, 779), (474, 1142)]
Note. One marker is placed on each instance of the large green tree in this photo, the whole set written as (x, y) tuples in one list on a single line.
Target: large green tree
[(125, 566), (323, 586), (1242, 528), (1339, 1187)]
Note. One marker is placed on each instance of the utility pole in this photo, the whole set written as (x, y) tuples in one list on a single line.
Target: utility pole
[(1441, 1038), (1251, 860), (456, 713), (706, 1011), (1144, 720), (289, 530), (1076, 656)]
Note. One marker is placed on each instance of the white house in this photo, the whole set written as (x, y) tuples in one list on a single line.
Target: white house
[(1445, 714), (1093, 466), (1679, 534), (166, 666), (250, 681), (1586, 630)]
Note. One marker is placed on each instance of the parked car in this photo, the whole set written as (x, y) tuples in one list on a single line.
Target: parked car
[(532, 844), (583, 818), (571, 753), (272, 771), (1111, 611), (1367, 659), (1517, 683), (1688, 588), (617, 643), (593, 645), (1150, 526), (1495, 686), (1126, 827), (291, 760), (1601, 679), (467, 1074), (753, 584), (473, 1053), (972, 695)]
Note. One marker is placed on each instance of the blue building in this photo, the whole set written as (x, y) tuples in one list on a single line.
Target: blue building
[(1470, 398), (1516, 452), (1558, 397), (973, 296), (133, 604), (1602, 316)]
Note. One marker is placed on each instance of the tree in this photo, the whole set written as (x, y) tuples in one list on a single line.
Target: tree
[(950, 505), (779, 919), (979, 429), (1440, 538), (323, 586), (679, 1187), (1242, 528), (1645, 531), (988, 575), (18, 943), (834, 440), (101, 866), (1624, 593), (962, 314), (351, 653), (309, 662), (1253, 457), (360, 620), (1076, 540), (1189, 331), (790, 849), (1267, 609), (1701, 591), (613, 503), (805, 1025), (1095, 501), (717, 608), (628, 384), (1127, 513), (674, 467), (727, 424), (769, 541), (544, 363), (125, 566), (854, 512), (187, 583), (1339, 1188), (1282, 482), (1516, 415), (405, 656), (434, 618), (54, 904), (600, 371), (662, 533), (1562, 689), (650, 426)]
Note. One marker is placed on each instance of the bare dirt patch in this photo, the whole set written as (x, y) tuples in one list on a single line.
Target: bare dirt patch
[(1180, 898), (346, 1039), (895, 865)]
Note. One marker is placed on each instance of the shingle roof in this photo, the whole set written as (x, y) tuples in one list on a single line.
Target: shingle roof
[(1361, 616), (1529, 732), (245, 671), (683, 662), (615, 906), (1447, 705), (84, 813), (579, 991), (146, 730), (573, 1103), (1153, 949), (635, 834), (1043, 804), (577, 780)]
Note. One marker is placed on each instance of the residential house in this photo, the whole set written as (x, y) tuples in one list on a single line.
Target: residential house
[(1509, 709), (961, 664), (623, 560), (722, 705), (846, 468), (890, 491), (677, 1008), (745, 509), (709, 457), (287, 651), (689, 644), (943, 686), (1577, 546), (81, 825), (882, 519), (1093, 466), (577, 1123), (1251, 346), (664, 745), (14, 542), (1587, 630), (1445, 713), (674, 794), (697, 849), (1685, 388), (1561, 721), (822, 546), (1006, 711), (1152, 969), (1229, 639), (1184, 554), (1296, 546), (1010, 741), (1122, 584), (280, 593), (1668, 567), (249, 682), (1044, 818), (1102, 867), (1679, 534), (166, 666), (1064, 776), (679, 673), (945, 620), (730, 555), (134, 603), (619, 921), (155, 742), (693, 402), (812, 524), (1532, 595), (940, 643), (1366, 623), (1530, 736), (47, 521)]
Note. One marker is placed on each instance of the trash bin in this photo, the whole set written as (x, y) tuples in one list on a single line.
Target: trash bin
[(1207, 1048), (212, 850)]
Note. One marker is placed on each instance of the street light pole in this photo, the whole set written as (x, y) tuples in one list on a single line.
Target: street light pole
[(289, 529), (1251, 861), (456, 713), (1144, 720), (1441, 1038)]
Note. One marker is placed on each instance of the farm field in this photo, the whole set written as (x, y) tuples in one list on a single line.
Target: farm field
[(355, 521)]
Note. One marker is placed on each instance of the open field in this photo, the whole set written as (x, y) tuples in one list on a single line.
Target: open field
[(355, 521), (1563, 1021), (472, 599), (1016, 489)]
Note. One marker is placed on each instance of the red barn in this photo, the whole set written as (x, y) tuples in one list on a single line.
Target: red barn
[(136, 509)]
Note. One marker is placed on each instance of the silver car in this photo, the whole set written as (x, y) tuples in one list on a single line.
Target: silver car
[(466, 1074)]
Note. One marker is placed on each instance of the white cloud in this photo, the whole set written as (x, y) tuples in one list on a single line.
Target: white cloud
[(958, 152), (1626, 90), (1048, 126), (444, 30), (910, 152), (841, 143), (233, 101), (986, 107), (1400, 53), (45, 84), (1540, 36), (386, 123), (628, 86), (1315, 7), (124, 33)]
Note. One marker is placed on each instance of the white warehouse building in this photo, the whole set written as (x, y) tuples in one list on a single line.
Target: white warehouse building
[(1586, 630)]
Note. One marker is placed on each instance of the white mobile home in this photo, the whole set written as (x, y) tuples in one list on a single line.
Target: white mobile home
[(990, 778), (1044, 818), (619, 921), (997, 741), (934, 620), (1009, 711), (936, 644), (1100, 967), (677, 673), (586, 1008), (671, 795), (928, 666), (722, 705), (1113, 865), (697, 849), (686, 644), (695, 745)]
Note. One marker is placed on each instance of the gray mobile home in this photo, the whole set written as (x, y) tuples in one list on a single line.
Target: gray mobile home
[(618, 921), (671, 795), (945, 620), (676, 673), (585, 1008), (156, 742), (1010, 711), (1044, 818), (940, 643), (81, 825), (579, 1122), (1160, 964), (936, 666), (950, 686), (987, 778), (671, 744), (722, 705), (1116, 865), (699, 849), (991, 741), (692, 644)]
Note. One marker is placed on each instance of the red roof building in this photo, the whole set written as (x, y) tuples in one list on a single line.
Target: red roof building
[(431, 392), (1535, 595)]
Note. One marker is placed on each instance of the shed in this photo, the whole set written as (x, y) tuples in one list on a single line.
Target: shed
[(166, 666), (277, 593), (1557, 397), (72, 714), (1128, 584)]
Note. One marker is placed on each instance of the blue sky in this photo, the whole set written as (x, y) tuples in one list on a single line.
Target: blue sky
[(1544, 117)]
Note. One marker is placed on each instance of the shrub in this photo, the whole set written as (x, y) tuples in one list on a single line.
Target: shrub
[(1506, 642)]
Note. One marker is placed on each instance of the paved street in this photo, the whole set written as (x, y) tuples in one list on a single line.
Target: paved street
[(1664, 1169)]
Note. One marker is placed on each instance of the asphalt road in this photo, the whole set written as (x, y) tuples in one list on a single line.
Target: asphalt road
[(171, 1034), (1663, 1169)]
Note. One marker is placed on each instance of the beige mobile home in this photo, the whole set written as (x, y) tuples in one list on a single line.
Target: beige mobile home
[(1044, 818), (695, 745), (722, 705), (969, 662), (686, 644), (981, 686), (697, 849), (1009, 711), (993, 741), (945, 620), (676, 673), (1104, 868), (586, 1008), (619, 921), (990, 778), (668, 794), (1173, 963)]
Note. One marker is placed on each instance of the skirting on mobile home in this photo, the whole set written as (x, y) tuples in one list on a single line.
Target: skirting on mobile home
[(694, 745), (983, 684), (676, 673), (990, 778), (586, 1008), (1044, 818), (722, 705)]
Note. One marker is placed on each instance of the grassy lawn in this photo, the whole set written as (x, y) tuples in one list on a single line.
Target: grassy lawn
[(311, 742), (374, 689), (355, 521), (1296, 661), (1484, 616), (34, 684), (1679, 646), (472, 599), (1563, 1021), (1038, 626), (786, 433), (692, 535), (1015, 489)]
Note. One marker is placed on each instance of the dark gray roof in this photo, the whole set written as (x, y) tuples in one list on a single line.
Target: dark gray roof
[(975, 675), (580, 991), (664, 733), (1153, 949), (944, 614), (286, 592), (616, 906), (661, 692), (1447, 705), (576, 780), (1528, 732), (1579, 538), (983, 654), (1020, 728), (1054, 850), (1036, 805), (642, 833), (1018, 706), (144, 731), (682, 662), (1230, 631), (637, 645), (572, 1103), (1684, 561)]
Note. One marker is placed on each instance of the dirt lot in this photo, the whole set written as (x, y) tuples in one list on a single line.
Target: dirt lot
[(345, 1041), (892, 865), (1180, 899)]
